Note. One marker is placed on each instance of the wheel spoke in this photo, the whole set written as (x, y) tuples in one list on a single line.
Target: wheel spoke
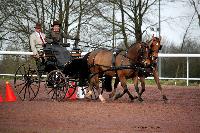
[(34, 93), (54, 94), (20, 84), (50, 91), (25, 93), (22, 89), (29, 93)]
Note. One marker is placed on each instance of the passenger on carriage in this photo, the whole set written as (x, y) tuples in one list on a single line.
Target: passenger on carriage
[(37, 40), (37, 43)]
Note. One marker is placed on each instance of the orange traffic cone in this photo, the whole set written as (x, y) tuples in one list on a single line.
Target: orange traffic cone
[(70, 91), (10, 96), (1, 99)]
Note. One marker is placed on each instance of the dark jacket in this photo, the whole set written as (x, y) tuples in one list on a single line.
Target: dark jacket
[(57, 37)]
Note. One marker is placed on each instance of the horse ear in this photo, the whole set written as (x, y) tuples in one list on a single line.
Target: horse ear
[(153, 36)]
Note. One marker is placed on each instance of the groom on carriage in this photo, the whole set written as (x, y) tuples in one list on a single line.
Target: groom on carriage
[(37, 40)]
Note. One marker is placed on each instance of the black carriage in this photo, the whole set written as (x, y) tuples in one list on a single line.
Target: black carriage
[(59, 70)]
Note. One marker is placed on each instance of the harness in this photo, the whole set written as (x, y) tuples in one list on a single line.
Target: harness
[(134, 66), (116, 51), (149, 69)]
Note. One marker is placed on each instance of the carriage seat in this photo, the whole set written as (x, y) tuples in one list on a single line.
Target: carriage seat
[(76, 53)]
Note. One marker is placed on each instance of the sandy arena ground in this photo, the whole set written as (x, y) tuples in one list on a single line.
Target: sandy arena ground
[(181, 114)]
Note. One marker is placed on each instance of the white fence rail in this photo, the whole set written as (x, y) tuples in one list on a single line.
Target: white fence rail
[(161, 55)]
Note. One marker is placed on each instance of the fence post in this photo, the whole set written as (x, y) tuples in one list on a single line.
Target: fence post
[(187, 71)]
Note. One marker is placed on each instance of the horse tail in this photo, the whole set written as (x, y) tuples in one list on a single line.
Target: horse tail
[(107, 83)]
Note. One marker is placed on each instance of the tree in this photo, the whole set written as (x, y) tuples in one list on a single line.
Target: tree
[(196, 5), (133, 15)]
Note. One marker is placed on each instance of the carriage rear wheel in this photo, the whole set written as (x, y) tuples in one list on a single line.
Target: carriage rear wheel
[(26, 82), (56, 85)]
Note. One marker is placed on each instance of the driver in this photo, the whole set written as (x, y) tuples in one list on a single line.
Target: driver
[(55, 35)]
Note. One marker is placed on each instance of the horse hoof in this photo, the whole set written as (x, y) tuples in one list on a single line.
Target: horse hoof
[(117, 96), (140, 99), (104, 101), (133, 98), (110, 95), (88, 97), (165, 98)]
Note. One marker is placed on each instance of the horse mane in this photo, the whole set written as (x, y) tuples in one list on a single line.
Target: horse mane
[(101, 49), (142, 43)]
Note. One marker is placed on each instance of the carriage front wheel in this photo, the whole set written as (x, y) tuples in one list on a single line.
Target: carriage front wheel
[(56, 85), (26, 82)]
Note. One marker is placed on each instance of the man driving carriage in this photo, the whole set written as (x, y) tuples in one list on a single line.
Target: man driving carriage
[(58, 39), (53, 41), (56, 35)]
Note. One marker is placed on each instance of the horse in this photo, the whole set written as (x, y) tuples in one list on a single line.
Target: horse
[(152, 69), (124, 64)]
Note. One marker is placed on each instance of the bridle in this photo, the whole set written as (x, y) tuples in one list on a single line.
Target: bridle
[(152, 51), (143, 57)]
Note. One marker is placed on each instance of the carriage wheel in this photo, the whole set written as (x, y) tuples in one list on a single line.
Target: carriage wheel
[(26, 82), (56, 85)]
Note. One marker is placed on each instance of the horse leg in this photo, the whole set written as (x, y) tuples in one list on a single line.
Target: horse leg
[(156, 78), (142, 80), (124, 85), (115, 87), (135, 82), (91, 85), (100, 92), (94, 81)]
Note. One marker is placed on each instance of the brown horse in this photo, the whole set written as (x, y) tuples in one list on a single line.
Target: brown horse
[(152, 69), (126, 64)]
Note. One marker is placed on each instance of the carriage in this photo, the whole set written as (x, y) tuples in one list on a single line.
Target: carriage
[(59, 70)]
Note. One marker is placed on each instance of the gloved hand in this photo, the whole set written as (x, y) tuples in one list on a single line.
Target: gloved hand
[(36, 56), (49, 41)]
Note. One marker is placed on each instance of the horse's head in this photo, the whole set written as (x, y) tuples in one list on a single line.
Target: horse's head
[(154, 47)]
